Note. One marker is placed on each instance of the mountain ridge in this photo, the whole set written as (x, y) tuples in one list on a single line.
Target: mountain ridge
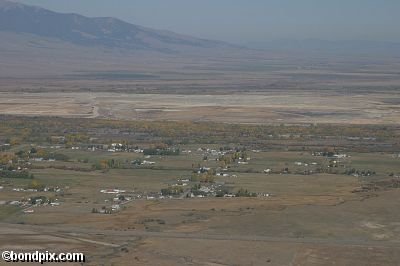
[(97, 31)]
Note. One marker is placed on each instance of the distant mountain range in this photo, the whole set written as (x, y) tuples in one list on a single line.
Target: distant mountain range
[(107, 32), (101, 31), (35, 42)]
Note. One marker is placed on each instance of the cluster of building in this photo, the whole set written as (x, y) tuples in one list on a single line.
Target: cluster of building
[(121, 197), (30, 203), (44, 189), (305, 164), (331, 155)]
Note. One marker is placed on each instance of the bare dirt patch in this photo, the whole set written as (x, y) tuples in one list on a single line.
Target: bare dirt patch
[(272, 107)]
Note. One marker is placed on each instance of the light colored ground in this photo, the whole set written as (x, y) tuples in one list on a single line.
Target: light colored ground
[(269, 107)]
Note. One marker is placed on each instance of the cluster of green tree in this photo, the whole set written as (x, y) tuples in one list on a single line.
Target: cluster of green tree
[(16, 174), (222, 192), (63, 167), (81, 131), (227, 159), (151, 220), (172, 191), (137, 162), (22, 154), (354, 171), (7, 159), (196, 190), (245, 193), (4, 147), (58, 157), (162, 152), (204, 177), (107, 164), (105, 210), (38, 200), (35, 184), (42, 153), (328, 153), (76, 138)]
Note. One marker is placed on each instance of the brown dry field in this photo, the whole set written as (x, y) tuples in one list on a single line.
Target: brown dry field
[(238, 107), (336, 231), (316, 221)]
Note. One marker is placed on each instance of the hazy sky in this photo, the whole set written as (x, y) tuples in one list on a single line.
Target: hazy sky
[(250, 21)]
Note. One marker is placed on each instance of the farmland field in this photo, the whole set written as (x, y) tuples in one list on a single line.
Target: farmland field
[(302, 200)]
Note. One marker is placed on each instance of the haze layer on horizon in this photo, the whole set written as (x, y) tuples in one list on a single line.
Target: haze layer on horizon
[(250, 22)]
